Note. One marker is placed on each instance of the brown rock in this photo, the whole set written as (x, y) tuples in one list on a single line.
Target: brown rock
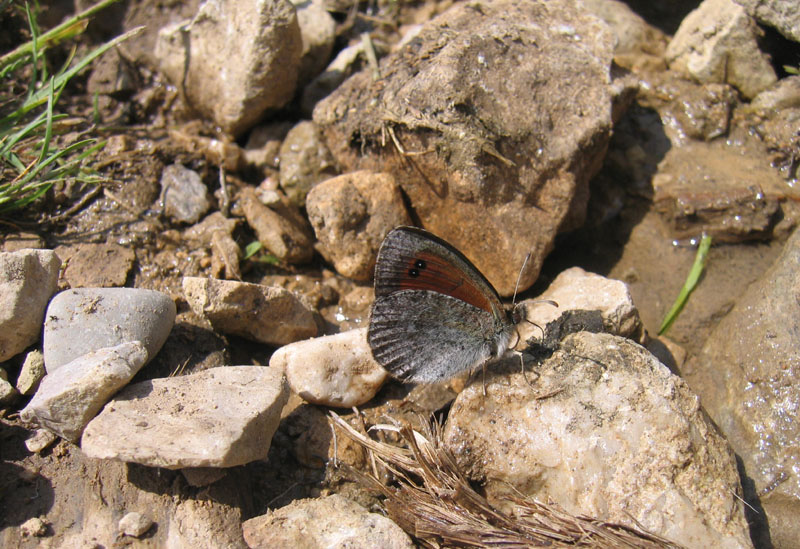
[(97, 265), (351, 215)]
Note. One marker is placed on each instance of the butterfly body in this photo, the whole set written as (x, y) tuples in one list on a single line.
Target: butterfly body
[(435, 314)]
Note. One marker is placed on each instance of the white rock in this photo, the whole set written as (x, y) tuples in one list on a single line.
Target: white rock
[(7, 391), (134, 524), (262, 36), (221, 417), (268, 314), (332, 521), (31, 373), (717, 42), (71, 396), (576, 289), (34, 527), (86, 319), (27, 280), (335, 370), (605, 430), (40, 440)]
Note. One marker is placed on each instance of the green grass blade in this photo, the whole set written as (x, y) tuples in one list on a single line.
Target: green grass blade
[(688, 287)]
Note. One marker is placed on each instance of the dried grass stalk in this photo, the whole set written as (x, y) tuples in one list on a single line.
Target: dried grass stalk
[(434, 502)]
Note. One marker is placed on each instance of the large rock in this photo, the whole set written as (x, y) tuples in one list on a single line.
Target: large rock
[(86, 319), (351, 215), (221, 417), (27, 280), (604, 430), (69, 397), (717, 42), (492, 122), (263, 38), (781, 14), (747, 374)]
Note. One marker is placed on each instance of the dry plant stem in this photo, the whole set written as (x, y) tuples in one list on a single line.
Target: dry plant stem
[(434, 502)]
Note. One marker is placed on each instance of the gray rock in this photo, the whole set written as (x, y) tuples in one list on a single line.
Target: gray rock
[(334, 370), (262, 313), (86, 319), (781, 14), (332, 521), (491, 123), (262, 36), (280, 229), (351, 215), (604, 430), (318, 29), (746, 375), (305, 161), (221, 417), (31, 373), (183, 194), (717, 42), (27, 280), (134, 524), (69, 397)]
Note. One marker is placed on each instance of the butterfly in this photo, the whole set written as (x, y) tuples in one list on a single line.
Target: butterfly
[(435, 315)]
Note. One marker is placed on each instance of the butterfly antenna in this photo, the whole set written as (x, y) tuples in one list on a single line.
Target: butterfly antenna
[(519, 277)]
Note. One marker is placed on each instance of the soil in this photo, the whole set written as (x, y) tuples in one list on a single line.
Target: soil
[(149, 129)]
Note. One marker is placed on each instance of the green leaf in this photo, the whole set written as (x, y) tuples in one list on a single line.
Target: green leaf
[(688, 286)]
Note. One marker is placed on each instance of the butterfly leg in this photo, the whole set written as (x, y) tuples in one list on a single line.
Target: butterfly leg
[(524, 375)]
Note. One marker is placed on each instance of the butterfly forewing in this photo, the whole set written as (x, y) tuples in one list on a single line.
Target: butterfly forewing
[(413, 259)]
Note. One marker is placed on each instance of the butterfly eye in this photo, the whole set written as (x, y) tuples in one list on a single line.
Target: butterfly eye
[(419, 264)]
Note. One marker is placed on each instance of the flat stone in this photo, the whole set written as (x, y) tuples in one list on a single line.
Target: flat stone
[(31, 373), (604, 430), (332, 521), (491, 122), (134, 524), (96, 265), (27, 280), (86, 319), (261, 313), (70, 396), (718, 42), (351, 215), (221, 417), (262, 36), (334, 370), (41, 439)]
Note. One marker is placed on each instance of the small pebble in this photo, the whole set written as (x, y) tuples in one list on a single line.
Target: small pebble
[(134, 524), (35, 527), (41, 439)]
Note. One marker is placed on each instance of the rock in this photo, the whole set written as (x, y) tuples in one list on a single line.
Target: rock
[(717, 42), (27, 280), (318, 29), (87, 319), (494, 170), (332, 521), (260, 313), (264, 144), (304, 162), (639, 45), (183, 195), (784, 94), (262, 36), (8, 394), (695, 112), (22, 240), (731, 194), (781, 14), (281, 232), (351, 215), (221, 417), (35, 527), (134, 524), (41, 439), (746, 375), (334, 370), (578, 290), (216, 233), (605, 430), (31, 373), (69, 397), (96, 265)]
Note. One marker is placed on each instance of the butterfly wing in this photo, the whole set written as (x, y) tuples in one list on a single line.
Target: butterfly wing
[(434, 313), (425, 336), (414, 259)]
